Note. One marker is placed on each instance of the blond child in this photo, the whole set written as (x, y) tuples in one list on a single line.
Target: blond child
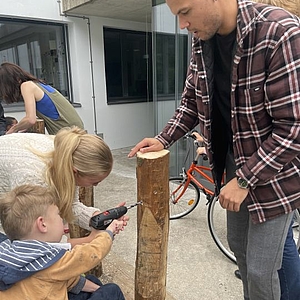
[(34, 265)]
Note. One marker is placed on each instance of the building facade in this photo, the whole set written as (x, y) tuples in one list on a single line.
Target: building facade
[(121, 63)]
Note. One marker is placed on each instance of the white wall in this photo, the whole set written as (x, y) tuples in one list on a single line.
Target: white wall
[(122, 125), (31, 9)]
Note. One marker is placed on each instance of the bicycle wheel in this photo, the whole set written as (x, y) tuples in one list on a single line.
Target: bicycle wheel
[(296, 231), (187, 202), (218, 228)]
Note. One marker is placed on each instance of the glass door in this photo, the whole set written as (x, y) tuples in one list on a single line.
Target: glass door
[(170, 59)]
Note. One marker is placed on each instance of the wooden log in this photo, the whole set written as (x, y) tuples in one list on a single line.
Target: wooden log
[(152, 225), (38, 127), (86, 196), (120, 271)]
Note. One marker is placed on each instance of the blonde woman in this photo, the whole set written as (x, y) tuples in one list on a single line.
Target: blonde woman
[(71, 159)]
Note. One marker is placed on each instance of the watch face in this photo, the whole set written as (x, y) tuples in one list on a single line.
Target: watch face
[(242, 183)]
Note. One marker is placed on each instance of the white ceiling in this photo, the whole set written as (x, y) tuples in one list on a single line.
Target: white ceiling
[(133, 10)]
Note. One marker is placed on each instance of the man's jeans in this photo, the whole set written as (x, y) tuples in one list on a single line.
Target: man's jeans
[(289, 274)]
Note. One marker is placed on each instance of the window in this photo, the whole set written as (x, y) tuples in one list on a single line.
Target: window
[(171, 66), (37, 47), (127, 65)]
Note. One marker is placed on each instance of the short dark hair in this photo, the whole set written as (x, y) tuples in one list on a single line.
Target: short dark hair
[(10, 121)]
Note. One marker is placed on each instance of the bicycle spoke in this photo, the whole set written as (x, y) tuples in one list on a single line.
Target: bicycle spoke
[(182, 206), (296, 231)]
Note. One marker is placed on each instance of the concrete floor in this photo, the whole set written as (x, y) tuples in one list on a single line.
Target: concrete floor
[(196, 268)]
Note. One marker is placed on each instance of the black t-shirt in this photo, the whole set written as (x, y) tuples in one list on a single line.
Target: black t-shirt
[(2, 121), (222, 132), (222, 75)]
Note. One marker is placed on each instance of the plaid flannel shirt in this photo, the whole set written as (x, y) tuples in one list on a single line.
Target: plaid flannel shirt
[(265, 106)]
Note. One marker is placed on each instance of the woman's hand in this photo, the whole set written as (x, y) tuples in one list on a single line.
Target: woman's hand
[(12, 129)]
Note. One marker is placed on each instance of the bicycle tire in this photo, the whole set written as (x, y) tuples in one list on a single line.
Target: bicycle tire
[(296, 229), (216, 217), (221, 238), (188, 201)]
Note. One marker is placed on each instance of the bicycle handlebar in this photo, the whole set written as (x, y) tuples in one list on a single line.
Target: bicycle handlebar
[(196, 143), (190, 135)]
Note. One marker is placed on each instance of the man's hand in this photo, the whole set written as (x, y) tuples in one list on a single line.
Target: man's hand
[(146, 145), (232, 196)]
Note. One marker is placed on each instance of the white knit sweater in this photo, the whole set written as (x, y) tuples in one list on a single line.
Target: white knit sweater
[(18, 165)]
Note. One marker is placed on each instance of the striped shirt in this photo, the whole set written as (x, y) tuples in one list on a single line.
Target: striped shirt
[(265, 106), (21, 259)]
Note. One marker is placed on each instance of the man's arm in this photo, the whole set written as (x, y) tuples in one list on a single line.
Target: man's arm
[(2, 121), (146, 145), (184, 119), (282, 103)]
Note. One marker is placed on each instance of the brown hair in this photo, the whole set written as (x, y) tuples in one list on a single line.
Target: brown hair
[(11, 77), (20, 207), (10, 121)]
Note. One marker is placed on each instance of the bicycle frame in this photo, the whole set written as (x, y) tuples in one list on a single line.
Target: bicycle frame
[(188, 176), (185, 195), (201, 171)]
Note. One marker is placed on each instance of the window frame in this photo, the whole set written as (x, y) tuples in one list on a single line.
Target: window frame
[(63, 29), (112, 100)]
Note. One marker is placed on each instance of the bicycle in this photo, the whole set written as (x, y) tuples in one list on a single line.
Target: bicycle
[(185, 191)]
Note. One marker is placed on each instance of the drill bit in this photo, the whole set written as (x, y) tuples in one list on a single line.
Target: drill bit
[(135, 204)]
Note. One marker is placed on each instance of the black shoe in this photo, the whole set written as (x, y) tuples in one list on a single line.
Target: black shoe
[(237, 274)]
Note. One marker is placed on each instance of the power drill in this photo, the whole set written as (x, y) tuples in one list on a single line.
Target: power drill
[(102, 221)]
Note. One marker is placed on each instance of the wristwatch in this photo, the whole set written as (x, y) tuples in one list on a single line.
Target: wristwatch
[(242, 183)]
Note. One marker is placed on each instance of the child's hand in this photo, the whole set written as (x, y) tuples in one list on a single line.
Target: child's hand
[(201, 150), (197, 136), (116, 226)]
